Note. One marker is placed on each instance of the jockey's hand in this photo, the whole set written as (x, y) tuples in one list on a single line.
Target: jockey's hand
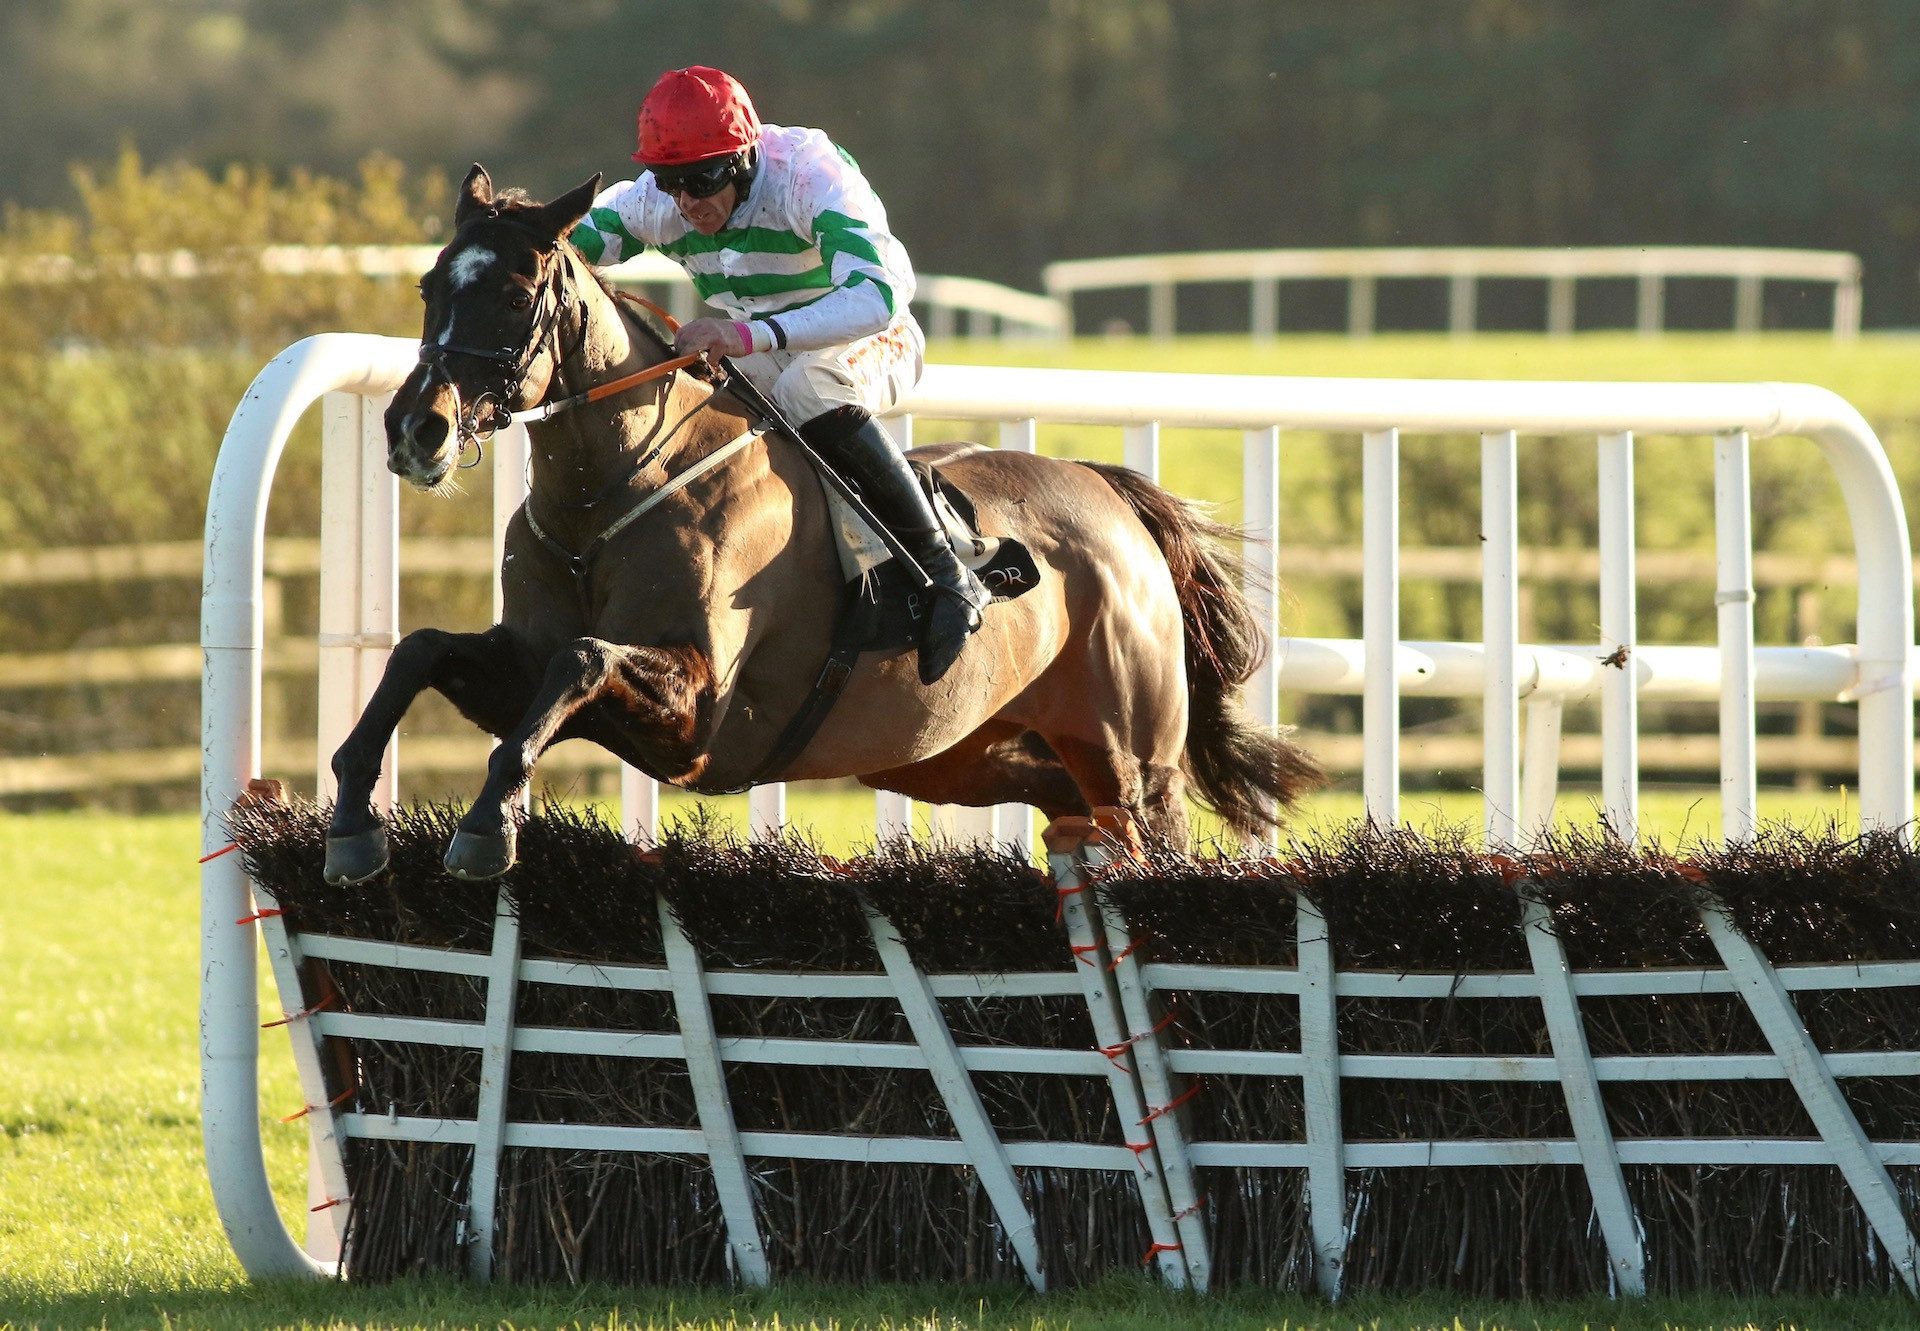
[(709, 338)]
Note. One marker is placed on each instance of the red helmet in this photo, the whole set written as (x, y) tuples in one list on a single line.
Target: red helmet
[(693, 114)]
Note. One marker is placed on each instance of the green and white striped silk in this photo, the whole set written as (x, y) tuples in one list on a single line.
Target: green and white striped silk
[(809, 243)]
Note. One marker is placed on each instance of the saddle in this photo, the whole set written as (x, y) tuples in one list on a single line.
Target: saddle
[(881, 607)]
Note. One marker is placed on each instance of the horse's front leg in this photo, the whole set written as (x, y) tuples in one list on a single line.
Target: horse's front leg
[(480, 673), (654, 708)]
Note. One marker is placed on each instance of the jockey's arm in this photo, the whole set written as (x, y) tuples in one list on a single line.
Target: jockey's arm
[(607, 234), (872, 278)]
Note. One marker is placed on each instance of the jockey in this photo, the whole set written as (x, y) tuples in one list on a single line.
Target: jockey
[(778, 228)]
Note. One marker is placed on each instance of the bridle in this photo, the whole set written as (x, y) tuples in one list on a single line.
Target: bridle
[(476, 421)]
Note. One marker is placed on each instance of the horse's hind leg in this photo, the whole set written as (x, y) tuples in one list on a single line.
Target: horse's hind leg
[(482, 674), (1155, 793), (997, 764)]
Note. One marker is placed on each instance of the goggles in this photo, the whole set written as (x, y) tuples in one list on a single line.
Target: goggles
[(701, 180)]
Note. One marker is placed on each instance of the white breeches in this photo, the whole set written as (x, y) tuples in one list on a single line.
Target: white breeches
[(874, 373)]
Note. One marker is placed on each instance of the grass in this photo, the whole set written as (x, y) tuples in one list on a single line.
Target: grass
[(106, 1219)]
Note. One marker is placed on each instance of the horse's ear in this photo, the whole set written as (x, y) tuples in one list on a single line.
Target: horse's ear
[(476, 194), (557, 218)]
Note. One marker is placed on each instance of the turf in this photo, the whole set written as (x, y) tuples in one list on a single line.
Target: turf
[(106, 1220)]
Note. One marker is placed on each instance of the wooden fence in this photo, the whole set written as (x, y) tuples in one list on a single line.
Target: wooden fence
[(1807, 753), (1462, 268)]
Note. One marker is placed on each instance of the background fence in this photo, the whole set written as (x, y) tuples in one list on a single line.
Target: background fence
[(114, 682), (1463, 269)]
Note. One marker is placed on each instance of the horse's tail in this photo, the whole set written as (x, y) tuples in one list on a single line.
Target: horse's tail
[(1242, 771)]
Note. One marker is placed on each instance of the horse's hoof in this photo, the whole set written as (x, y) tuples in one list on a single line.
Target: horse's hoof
[(479, 854), (356, 858)]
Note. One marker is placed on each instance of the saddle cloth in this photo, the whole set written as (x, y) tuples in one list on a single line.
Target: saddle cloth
[(884, 609)]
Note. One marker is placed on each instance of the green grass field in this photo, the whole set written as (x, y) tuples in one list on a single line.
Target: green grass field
[(106, 1219)]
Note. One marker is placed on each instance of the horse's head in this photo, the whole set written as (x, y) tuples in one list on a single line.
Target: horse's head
[(493, 329)]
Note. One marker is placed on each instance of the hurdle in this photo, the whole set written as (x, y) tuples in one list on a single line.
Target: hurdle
[(350, 374)]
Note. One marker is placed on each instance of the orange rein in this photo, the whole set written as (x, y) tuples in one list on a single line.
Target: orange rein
[(621, 385), (652, 371)]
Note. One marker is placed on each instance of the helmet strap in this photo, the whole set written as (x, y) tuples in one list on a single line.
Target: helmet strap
[(745, 174)]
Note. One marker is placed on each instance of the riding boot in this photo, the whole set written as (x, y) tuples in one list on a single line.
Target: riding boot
[(855, 446)]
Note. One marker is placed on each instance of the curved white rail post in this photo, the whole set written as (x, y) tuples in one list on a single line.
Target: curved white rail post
[(231, 638)]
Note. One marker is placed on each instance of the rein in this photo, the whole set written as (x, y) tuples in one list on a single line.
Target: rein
[(548, 411)]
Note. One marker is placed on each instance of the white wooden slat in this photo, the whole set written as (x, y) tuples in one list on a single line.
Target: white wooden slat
[(984, 1150), (759, 1145), (892, 815), (1068, 870), (1326, 1161), (1159, 975), (496, 1067), (403, 956), (1482, 1151), (510, 455), (767, 810), (1145, 1018), (639, 804), (376, 624), (1587, 984), (1812, 1079), (1079, 1155), (1619, 1223), (994, 1058), (711, 1102), (1611, 1067)]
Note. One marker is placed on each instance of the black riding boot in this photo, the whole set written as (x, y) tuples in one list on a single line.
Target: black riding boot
[(856, 447)]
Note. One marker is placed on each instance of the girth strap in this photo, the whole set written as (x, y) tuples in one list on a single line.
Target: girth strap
[(842, 655)]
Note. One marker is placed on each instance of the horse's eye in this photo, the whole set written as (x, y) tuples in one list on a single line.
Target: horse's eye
[(421, 287), (520, 300)]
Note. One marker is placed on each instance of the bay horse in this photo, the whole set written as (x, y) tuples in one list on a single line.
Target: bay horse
[(683, 641)]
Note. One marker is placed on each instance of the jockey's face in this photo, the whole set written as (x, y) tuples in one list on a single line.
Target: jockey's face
[(708, 215)]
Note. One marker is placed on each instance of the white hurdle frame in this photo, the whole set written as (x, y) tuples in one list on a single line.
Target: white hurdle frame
[(358, 370)]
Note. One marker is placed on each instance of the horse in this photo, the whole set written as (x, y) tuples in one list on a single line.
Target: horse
[(672, 601)]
